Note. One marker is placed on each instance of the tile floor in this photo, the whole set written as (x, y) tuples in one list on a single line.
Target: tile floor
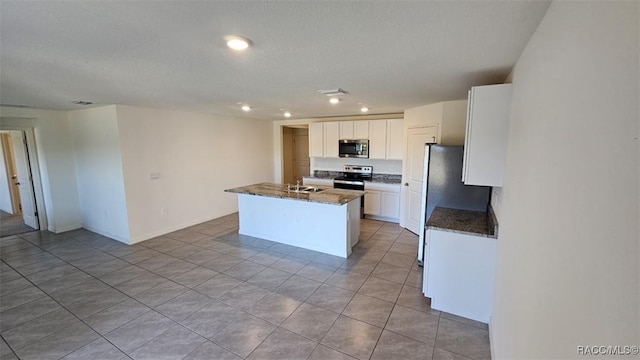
[(208, 293)]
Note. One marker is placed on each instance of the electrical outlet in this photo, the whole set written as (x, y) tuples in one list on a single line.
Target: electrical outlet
[(164, 211)]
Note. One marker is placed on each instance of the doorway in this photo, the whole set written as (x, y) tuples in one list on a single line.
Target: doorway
[(18, 212), (295, 153)]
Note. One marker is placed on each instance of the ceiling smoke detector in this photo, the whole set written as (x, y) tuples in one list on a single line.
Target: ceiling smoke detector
[(82, 102), (336, 92)]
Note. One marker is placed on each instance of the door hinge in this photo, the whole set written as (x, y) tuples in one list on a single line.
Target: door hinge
[(35, 214)]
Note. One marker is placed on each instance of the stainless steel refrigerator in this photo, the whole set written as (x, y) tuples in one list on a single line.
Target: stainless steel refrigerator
[(442, 186)]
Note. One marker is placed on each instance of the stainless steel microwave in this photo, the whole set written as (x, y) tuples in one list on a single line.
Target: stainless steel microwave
[(348, 148)]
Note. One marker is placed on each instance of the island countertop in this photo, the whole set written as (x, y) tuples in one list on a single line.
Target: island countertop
[(325, 195)]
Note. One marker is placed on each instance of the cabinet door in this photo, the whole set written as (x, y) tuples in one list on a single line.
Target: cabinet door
[(372, 203), (361, 129), (331, 137), (346, 130), (316, 140), (377, 139), (489, 110), (390, 205), (395, 130)]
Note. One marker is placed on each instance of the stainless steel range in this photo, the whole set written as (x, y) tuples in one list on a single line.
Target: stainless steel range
[(353, 178)]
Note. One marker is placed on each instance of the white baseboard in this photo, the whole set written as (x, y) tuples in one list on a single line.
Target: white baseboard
[(382, 218), (491, 345), (122, 239), (164, 231), (58, 230)]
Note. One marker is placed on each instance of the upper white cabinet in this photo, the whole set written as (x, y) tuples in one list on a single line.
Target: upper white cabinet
[(346, 130), (316, 140), (385, 137), (395, 130), (485, 150), (377, 139), (331, 137), (360, 129)]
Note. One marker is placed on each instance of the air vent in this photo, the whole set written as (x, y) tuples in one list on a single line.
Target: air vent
[(336, 92), (82, 102), (16, 106)]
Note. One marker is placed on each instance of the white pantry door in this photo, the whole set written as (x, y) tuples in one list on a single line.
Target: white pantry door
[(25, 185), (412, 187)]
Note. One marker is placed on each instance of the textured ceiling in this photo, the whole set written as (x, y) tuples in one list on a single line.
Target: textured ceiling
[(389, 56)]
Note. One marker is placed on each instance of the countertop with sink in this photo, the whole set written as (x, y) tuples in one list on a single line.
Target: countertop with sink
[(320, 194)]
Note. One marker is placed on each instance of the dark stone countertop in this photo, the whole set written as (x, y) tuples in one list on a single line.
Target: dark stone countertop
[(376, 178), (476, 223), (326, 196)]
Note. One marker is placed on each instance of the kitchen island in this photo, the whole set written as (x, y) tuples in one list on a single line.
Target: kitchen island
[(326, 220)]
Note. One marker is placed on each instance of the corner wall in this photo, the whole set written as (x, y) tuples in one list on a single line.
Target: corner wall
[(196, 157), (568, 252), (99, 172)]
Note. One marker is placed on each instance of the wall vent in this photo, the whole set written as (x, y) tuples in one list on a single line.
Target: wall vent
[(335, 92)]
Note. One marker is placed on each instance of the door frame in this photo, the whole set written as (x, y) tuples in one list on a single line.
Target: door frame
[(404, 194), (34, 164)]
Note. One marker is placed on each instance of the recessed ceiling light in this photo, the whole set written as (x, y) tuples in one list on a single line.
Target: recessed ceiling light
[(237, 42), (334, 100), (364, 109), (246, 108), (287, 114)]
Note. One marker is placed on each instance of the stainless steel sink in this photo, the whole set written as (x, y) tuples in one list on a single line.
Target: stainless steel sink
[(306, 190)]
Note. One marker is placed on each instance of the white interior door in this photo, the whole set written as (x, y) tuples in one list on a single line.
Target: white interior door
[(24, 180), (412, 187)]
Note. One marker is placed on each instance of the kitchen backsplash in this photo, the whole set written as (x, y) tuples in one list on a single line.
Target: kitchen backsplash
[(379, 166)]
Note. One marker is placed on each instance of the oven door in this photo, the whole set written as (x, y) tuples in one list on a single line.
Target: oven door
[(351, 185)]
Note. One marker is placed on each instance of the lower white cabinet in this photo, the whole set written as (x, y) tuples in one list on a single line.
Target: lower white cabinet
[(372, 202), (458, 274), (382, 201)]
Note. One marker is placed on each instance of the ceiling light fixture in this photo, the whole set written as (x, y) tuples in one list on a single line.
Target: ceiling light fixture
[(287, 114), (364, 109), (237, 42), (334, 100), (246, 108)]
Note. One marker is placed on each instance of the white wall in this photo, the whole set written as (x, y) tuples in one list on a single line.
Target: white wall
[(56, 163), (5, 195), (449, 117), (568, 252), (99, 171), (197, 157)]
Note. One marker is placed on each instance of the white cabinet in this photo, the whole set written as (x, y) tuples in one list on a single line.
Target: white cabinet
[(459, 270), (316, 140), (395, 130), (361, 129), (346, 130), (372, 202), (385, 137), (377, 139), (485, 150), (331, 137), (382, 201), (390, 204)]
